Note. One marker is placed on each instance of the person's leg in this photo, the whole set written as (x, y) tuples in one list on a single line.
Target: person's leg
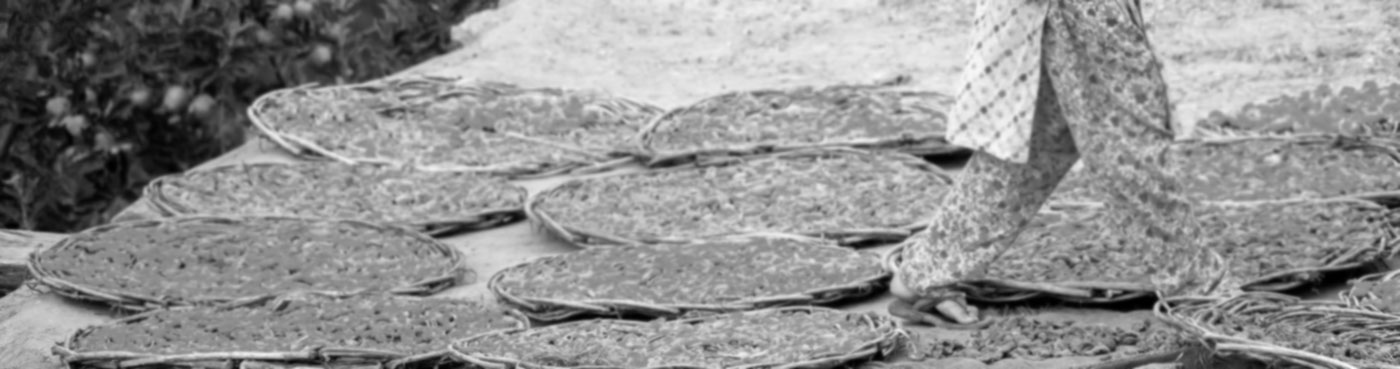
[(1113, 94), (981, 216)]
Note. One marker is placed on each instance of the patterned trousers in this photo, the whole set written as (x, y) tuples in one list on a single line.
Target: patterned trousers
[(1101, 99)]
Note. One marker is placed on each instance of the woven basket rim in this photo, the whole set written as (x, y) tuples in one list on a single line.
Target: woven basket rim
[(658, 157), (320, 355), (887, 343), (1216, 130), (456, 273), (551, 309), (1167, 310), (1389, 146), (299, 146), (1082, 291), (1355, 298), (165, 206), (585, 238)]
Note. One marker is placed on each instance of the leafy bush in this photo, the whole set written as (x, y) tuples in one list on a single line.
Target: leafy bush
[(1371, 110), (99, 96)]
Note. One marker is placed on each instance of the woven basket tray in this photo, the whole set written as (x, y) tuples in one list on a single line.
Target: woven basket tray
[(1272, 169), (1268, 247), (1282, 329), (394, 332), (142, 265), (433, 202), (1379, 291), (730, 274), (851, 196), (753, 122), (781, 338), (1371, 110), (1035, 335), (439, 125)]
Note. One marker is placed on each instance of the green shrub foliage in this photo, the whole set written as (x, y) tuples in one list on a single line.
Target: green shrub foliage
[(99, 96)]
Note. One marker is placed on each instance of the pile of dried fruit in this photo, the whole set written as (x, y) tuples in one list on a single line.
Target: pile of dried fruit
[(375, 193), (1269, 247), (439, 125), (1026, 337), (1369, 110), (320, 330), (1380, 291), (849, 195), (1275, 328), (1248, 169), (815, 337), (740, 273), (747, 122), (206, 260)]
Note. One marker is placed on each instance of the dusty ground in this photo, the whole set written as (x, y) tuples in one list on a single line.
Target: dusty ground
[(1219, 54)]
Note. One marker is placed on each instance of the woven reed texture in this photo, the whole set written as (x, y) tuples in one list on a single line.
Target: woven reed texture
[(149, 264), (393, 332), (1377, 291), (1370, 110), (433, 202), (441, 125), (720, 275), (1272, 169), (761, 121), (851, 196), (1283, 329), (1075, 256), (781, 338), (1031, 335)]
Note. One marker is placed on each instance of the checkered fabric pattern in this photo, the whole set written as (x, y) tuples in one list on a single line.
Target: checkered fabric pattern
[(997, 99)]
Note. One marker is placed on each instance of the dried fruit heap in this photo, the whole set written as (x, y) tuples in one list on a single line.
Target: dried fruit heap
[(1269, 246), (388, 327), (713, 275), (742, 122), (771, 337), (208, 260), (366, 192), (1031, 338), (1267, 169), (834, 193), (584, 119), (1369, 110), (440, 125)]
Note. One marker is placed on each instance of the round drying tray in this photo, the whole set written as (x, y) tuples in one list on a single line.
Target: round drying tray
[(393, 332), (437, 203), (149, 264), (1277, 168), (780, 338), (444, 125), (852, 196), (1283, 329), (761, 121), (719, 275), (1266, 247)]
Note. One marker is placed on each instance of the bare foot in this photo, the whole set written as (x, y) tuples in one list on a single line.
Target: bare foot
[(950, 313)]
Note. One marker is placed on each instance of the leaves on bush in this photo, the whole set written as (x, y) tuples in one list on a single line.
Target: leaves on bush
[(99, 96)]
